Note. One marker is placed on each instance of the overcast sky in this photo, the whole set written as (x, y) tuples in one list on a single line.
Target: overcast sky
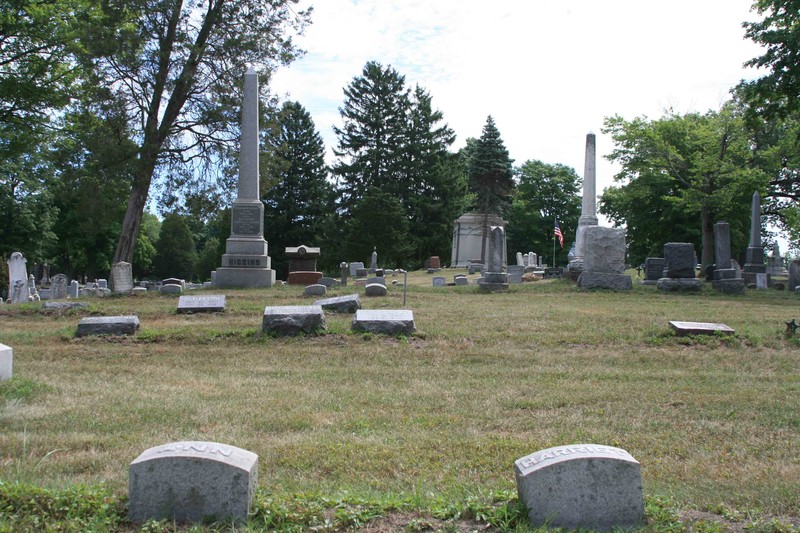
[(547, 71)]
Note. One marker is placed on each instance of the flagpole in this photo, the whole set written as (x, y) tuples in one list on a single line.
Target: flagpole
[(555, 223)]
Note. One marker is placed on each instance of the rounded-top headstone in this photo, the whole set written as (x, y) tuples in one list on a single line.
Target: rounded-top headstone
[(581, 486), (192, 482), (375, 289), (317, 289)]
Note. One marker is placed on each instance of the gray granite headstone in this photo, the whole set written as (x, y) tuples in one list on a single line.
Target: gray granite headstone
[(653, 269), (581, 486), (121, 277), (102, 283), (375, 289), (761, 281), (439, 281), (794, 274), (171, 288), (211, 303), (108, 325), (74, 288), (377, 279), (316, 289), (679, 260), (349, 303), (722, 245), (604, 259), (355, 267), (192, 482), (6, 362), (64, 305), (293, 319), (58, 287), (515, 274), (386, 322)]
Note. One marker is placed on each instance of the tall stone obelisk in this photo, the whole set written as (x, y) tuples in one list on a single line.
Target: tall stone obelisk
[(246, 263), (588, 207), (754, 259)]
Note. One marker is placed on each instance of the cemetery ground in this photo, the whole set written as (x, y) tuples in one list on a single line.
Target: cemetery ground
[(410, 433)]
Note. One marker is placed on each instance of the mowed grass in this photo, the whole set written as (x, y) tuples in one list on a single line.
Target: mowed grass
[(488, 378)]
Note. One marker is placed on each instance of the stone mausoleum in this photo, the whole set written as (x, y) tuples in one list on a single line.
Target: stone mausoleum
[(469, 238)]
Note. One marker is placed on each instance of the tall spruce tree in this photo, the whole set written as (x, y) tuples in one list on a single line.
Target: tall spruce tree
[(373, 136), (300, 198), (491, 177)]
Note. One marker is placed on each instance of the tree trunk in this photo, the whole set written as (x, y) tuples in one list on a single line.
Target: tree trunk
[(135, 210), (483, 239), (707, 257)]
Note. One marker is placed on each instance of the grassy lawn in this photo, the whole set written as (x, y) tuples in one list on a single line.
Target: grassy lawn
[(438, 418)]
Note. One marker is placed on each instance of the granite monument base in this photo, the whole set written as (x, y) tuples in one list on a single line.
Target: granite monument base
[(246, 278)]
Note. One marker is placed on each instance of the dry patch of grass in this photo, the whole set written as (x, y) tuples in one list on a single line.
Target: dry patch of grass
[(487, 379)]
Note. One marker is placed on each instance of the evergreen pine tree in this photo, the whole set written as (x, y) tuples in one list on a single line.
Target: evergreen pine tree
[(372, 138), (175, 250), (300, 199), (491, 177)]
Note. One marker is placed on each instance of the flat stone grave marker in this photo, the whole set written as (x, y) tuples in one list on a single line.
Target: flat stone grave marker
[(64, 305), (383, 321), (108, 325), (293, 319), (192, 482), (211, 303), (375, 289), (349, 303), (6, 362), (581, 486), (699, 328)]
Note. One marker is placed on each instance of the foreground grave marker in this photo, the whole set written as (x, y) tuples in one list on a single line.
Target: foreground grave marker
[(349, 303), (211, 303), (384, 321), (699, 328), (191, 482), (293, 319), (108, 325), (6, 362), (581, 486)]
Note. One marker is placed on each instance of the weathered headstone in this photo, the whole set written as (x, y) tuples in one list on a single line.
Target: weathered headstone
[(775, 263), (754, 258), (108, 325), (302, 258), (102, 283), (343, 268), (699, 328), (439, 281), (355, 266), (349, 303), (604, 259), (211, 303), (362, 272), (377, 279), (471, 239), (192, 482), (74, 288), (58, 287), (375, 289), (385, 322), (494, 279), (34, 295), (726, 277), (303, 277), (794, 275), (653, 270), (373, 263), (515, 274), (293, 319), (317, 289), (520, 262), (6, 362), (246, 262), (762, 282), (121, 277), (584, 486), (171, 288), (679, 274), (17, 272)]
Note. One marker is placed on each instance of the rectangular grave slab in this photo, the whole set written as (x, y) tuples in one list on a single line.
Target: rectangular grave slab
[(349, 303), (64, 305), (385, 322), (6, 362), (699, 328), (212, 303), (293, 319), (192, 482), (108, 325), (586, 486)]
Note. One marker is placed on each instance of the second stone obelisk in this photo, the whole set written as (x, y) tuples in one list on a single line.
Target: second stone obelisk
[(246, 263)]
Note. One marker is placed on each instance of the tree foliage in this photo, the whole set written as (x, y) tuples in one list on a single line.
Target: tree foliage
[(175, 249), (300, 200), (491, 176), (544, 193), (679, 175), (172, 64)]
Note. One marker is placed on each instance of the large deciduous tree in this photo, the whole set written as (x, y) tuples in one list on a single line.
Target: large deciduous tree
[(174, 65), (545, 193), (680, 174), (299, 200)]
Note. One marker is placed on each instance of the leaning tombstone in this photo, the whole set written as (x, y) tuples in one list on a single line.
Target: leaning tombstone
[(293, 319), (107, 325), (58, 287), (585, 486), (211, 303), (6, 362), (349, 303), (192, 482), (121, 278)]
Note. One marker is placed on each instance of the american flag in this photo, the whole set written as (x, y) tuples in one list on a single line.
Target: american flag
[(557, 233)]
